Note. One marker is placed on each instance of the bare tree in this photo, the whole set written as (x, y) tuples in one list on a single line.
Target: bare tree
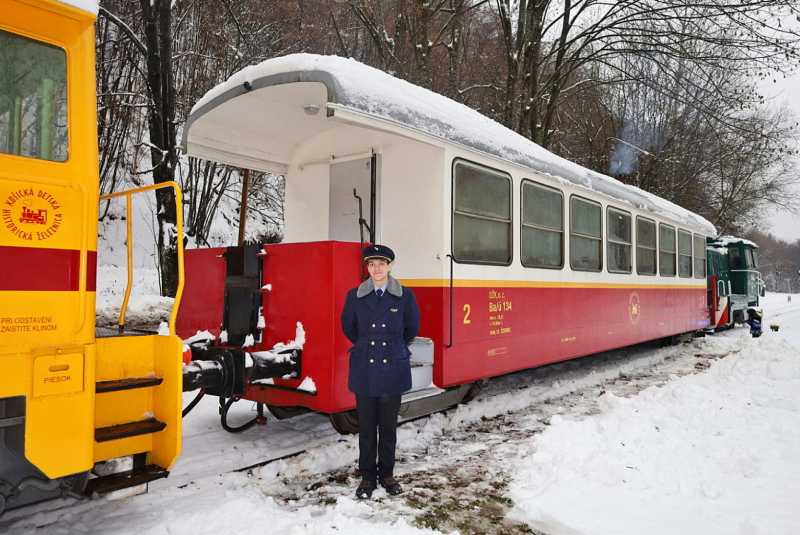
[(665, 88), (155, 45), (778, 261), (156, 57), (551, 45), (246, 34), (691, 146), (412, 38)]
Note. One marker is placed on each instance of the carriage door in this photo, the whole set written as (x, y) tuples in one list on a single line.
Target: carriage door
[(363, 175)]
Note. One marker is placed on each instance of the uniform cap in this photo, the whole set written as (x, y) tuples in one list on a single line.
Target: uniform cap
[(378, 251)]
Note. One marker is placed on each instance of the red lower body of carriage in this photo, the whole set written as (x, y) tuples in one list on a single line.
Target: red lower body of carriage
[(488, 328)]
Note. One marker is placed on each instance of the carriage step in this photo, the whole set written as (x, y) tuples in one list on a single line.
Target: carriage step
[(419, 394), (127, 384), (124, 480), (114, 432)]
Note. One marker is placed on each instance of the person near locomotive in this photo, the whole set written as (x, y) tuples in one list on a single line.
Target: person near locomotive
[(381, 318)]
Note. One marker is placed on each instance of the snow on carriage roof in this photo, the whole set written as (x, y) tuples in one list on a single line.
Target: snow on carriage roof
[(359, 88), (724, 241), (89, 6)]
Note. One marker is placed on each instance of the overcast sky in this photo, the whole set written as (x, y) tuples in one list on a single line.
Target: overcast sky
[(783, 224)]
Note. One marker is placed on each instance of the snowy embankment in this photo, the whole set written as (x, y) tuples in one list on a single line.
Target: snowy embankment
[(694, 439), (146, 308), (715, 452)]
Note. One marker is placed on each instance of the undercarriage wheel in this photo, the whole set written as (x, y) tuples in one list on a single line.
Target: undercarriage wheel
[(281, 413), (474, 389), (345, 422)]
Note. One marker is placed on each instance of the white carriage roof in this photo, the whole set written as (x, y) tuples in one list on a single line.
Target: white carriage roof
[(359, 88)]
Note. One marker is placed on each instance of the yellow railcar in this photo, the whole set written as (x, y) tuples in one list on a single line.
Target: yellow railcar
[(68, 397)]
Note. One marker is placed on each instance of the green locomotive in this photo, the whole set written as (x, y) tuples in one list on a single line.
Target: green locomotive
[(734, 284)]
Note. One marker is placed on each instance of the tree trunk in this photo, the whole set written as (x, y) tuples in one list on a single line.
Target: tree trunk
[(530, 51), (541, 130), (512, 60), (163, 141)]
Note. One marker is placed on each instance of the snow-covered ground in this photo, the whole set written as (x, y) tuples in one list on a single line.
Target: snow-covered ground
[(701, 438)]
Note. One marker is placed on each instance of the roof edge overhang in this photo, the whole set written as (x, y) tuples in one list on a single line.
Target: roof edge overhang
[(247, 85)]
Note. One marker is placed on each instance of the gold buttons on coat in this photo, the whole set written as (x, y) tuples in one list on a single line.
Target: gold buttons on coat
[(385, 361), (372, 343), (384, 343), (371, 361), (384, 325), (373, 325)]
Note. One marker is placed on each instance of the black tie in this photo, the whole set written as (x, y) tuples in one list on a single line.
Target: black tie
[(379, 293)]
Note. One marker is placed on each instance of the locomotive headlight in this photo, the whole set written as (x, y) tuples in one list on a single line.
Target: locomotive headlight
[(311, 109)]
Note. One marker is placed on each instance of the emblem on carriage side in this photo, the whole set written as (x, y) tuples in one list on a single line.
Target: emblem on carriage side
[(634, 308), (31, 214)]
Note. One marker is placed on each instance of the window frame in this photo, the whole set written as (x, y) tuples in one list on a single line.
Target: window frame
[(735, 255), (690, 255), (600, 239), (522, 223), (507, 176), (704, 257), (654, 249), (661, 250), (68, 97), (609, 241), (751, 258)]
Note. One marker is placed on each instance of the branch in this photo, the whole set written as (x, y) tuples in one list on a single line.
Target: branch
[(119, 23)]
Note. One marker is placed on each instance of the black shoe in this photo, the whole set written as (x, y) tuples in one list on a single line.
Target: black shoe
[(365, 489), (391, 485)]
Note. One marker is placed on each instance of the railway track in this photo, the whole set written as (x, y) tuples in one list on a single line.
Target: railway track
[(209, 450)]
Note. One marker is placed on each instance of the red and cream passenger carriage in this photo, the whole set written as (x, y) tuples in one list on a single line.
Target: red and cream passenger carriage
[(518, 258)]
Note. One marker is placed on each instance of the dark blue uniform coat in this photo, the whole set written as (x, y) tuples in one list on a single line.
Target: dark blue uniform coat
[(380, 328)]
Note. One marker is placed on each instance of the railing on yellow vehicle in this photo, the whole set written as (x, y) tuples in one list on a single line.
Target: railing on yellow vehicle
[(179, 237)]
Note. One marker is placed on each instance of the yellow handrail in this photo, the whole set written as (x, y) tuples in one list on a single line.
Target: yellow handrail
[(179, 237)]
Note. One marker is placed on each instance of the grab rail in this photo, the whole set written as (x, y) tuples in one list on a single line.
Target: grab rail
[(449, 345), (179, 237)]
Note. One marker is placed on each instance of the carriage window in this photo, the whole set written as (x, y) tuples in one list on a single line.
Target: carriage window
[(33, 98), (586, 239), (684, 253), (645, 246), (699, 257), (481, 215), (619, 249), (666, 256), (542, 234)]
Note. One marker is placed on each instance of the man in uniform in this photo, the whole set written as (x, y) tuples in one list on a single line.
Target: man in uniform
[(380, 318)]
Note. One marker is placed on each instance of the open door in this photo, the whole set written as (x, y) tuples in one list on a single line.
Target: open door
[(363, 175)]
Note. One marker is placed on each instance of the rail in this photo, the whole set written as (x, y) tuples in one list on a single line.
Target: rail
[(179, 238)]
